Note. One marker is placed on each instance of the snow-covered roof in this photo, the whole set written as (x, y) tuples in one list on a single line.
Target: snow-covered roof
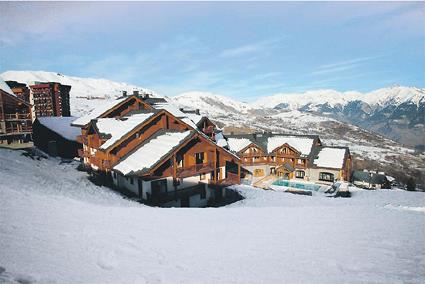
[(196, 118), (5, 87), (171, 108), (99, 110), (302, 144), (118, 128), (330, 158), (150, 153), (61, 125), (237, 144)]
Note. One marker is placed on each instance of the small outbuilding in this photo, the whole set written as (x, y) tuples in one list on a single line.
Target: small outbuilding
[(56, 136), (370, 180)]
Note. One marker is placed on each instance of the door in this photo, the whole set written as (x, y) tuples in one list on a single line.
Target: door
[(140, 188)]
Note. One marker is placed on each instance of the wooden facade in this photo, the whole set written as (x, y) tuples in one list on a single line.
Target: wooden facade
[(20, 90), (254, 155), (197, 157), (15, 119)]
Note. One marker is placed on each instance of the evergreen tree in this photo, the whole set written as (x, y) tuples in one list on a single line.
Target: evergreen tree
[(410, 185)]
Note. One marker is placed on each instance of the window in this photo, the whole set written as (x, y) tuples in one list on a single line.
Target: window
[(326, 176), (199, 158), (258, 172), (299, 174), (202, 176), (131, 181)]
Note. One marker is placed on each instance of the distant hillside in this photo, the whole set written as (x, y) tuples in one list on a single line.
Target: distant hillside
[(395, 112), (85, 92)]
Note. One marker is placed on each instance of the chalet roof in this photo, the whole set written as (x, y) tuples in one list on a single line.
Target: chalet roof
[(149, 153), (372, 177), (268, 142), (330, 157), (114, 129), (5, 87), (237, 144), (196, 118), (61, 126), (98, 111)]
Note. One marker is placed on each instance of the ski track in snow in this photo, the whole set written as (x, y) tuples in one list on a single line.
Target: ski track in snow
[(57, 227)]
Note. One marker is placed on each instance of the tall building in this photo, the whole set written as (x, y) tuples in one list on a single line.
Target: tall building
[(20, 90), (50, 99)]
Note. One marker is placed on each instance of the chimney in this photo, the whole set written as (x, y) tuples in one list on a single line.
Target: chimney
[(197, 111), (181, 109), (136, 93), (124, 93)]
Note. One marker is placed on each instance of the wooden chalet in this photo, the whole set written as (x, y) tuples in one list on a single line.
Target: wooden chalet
[(185, 168), (15, 119), (285, 156), (21, 90)]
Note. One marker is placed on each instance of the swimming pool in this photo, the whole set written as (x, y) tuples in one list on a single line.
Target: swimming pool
[(298, 185)]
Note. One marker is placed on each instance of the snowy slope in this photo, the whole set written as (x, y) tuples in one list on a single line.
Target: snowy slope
[(210, 103), (57, 227), (85, 93)]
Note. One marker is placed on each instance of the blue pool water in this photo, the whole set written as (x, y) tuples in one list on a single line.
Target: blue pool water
[(287, 183)]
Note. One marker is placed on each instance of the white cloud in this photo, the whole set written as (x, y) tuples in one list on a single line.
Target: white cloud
[(250, 48)]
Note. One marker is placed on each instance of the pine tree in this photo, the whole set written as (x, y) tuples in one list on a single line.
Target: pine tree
[(410, 185)]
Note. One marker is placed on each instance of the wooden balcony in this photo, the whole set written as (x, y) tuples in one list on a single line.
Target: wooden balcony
[(19, 129), (195, 170), (17, 116)]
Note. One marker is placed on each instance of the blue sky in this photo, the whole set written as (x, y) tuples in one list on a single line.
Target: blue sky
[(242, 50)]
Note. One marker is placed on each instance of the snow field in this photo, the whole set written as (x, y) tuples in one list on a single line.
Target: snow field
[(57, 227)]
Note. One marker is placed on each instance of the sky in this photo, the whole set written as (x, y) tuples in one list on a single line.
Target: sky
[(243, 50)]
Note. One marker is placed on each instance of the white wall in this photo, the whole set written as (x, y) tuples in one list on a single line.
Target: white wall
[(313, 175)]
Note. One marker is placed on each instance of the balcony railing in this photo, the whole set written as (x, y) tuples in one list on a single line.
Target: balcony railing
[(18, 128), (17, 116), (195, 169)]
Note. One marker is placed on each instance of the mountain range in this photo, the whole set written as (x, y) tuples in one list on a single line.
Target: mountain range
[(396, 112)]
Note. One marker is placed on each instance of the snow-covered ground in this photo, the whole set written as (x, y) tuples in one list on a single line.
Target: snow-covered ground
[(57, 227)]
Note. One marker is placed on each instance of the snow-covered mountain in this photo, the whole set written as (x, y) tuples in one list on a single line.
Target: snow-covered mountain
[(396, 112), (210, 103), (85, 92)]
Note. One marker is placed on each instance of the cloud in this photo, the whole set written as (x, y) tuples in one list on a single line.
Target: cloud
[(343, 65), (249, 48)]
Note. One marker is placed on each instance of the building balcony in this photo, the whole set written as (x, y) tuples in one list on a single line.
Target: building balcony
[(17, 116), (19, 129), (195, 170)]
